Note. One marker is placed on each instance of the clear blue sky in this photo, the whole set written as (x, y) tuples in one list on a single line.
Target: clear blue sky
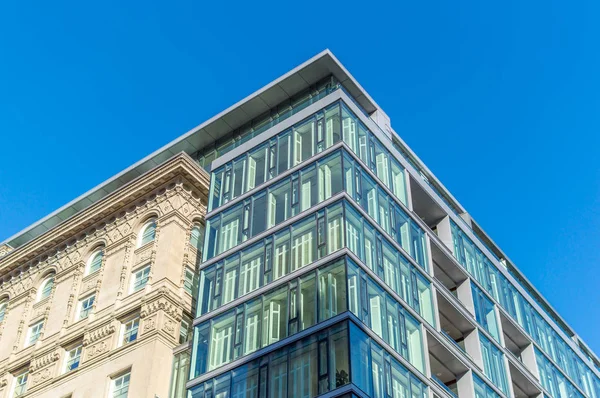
[(500, 99)]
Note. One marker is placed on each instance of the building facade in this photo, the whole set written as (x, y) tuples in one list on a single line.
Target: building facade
[(317, 256), (95, 306)]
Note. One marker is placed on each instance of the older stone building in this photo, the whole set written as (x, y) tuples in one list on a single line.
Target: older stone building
[(95, 306)]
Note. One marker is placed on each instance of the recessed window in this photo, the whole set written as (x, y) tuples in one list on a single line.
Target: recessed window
[(95, 262), (185, 329), (147, 233), (85, 306), (72, 358), (3, 305), (190, 281), (34, 332), (20, 386), (197, 237), (140, 278), (46, 288), (129, 331), (119, 387)]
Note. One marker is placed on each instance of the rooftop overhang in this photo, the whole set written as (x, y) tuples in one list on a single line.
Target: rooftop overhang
[(296, 80)]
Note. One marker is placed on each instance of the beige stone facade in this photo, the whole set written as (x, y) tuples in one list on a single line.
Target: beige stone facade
[(72, 298)]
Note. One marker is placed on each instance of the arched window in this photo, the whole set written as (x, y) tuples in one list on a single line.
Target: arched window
[(95, 262), (46, 288), (147, 233), (197, 237), (3, 305)]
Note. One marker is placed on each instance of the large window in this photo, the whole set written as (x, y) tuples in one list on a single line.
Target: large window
[(129, 330), (46, 288), (384, 211), (509, 298), (179, 374), (286, 150), (377, 373), (553, 380), (385, 316), (197, 237), (275, 204), (388, 263), (94, 262), (482, 390), (147, 233), (20, 384), (140, 278), (310, 367), (265, 320), (485, 313), (34, 332), (270, 259), (72, 358), (493, 364), (85, 306), (119, 386)]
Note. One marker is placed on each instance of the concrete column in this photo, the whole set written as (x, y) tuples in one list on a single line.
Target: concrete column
[(465, 295), (473, 347), (528, 357), (465, 385), (444, 232)]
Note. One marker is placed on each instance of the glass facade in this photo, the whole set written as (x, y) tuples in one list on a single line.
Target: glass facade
[(315, 222), (522, 312), (493, 364)]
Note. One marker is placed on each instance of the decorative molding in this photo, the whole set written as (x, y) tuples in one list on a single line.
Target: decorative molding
[(161, 304), (45, 360), (97, 349), (98, 334), (5, 249)]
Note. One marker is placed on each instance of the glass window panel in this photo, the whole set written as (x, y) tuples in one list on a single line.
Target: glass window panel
[(221, 340), (284, 152), (307, 301), (259, 213), (279, 203), (303, 243), (275, 309), (257, 167), (251, 269), (304, 141), (332, 290)]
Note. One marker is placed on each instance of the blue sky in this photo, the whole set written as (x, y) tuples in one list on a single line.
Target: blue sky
[(500, 99)]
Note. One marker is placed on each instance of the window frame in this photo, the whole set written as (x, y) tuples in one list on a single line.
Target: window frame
[(16, 381), (3, 308), (88, 266), (42, 287), (113, 380), (80, 306), (132, 288), (67, 357), (147, 224), (28, 341), (122, 331)]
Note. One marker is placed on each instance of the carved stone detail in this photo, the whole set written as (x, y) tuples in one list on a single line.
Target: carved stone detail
[(98, 334), (45, 360), (5, 249), (97, 349), (161, 304)]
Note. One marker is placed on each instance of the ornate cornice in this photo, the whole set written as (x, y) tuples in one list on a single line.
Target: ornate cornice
[(44, 361), (99, 334), (179, 170)]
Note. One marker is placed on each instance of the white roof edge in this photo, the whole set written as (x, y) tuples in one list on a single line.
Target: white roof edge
[(164, 148)]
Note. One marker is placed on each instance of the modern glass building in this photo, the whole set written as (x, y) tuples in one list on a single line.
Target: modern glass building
[(334, 263)]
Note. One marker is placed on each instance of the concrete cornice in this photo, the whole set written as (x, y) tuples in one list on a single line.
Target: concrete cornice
[(180, 169)]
